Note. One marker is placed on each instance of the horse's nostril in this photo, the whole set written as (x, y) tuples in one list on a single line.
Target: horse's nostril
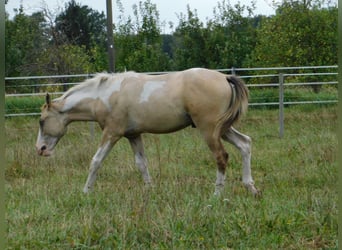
[(43, 148)]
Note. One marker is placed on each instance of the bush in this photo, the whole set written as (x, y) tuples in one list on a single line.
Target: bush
[(269, 95), (19, 105)]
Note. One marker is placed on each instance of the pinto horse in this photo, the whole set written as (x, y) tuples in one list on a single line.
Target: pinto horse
[(129, 104)]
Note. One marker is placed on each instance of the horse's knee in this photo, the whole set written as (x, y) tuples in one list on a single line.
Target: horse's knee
[(245, 147), (248, 141)]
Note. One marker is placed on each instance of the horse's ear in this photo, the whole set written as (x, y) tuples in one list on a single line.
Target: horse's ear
[(48, 99)]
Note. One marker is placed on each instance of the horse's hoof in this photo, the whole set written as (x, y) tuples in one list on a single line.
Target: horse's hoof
[(218, 190), (86, 190), (256, 193)]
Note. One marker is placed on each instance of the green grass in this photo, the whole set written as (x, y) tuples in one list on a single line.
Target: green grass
[(46, 208)]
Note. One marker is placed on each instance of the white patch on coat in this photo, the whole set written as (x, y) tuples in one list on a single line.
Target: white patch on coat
[(103, 94), (71, 101), (149, 88)]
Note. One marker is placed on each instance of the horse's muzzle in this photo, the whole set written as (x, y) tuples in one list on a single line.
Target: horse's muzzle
[(43, 151)]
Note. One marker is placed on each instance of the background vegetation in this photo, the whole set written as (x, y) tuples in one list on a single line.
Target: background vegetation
[(32, 104), (46, 208), (73, 41)]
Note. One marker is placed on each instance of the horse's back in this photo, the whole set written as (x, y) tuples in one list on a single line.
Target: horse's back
[(187, 90)]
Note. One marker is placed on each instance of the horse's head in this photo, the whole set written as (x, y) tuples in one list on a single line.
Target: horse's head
[(52, 126)]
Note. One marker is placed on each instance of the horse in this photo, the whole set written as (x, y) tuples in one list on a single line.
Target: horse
[(130, 104)]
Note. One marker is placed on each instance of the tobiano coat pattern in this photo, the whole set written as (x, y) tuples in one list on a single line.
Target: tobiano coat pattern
[(129, 104)]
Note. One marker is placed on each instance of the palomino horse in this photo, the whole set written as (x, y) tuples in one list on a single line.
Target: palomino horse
[(129, 104)]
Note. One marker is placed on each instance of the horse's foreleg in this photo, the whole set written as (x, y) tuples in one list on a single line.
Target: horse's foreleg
[(140, 159), (100, 155), (243, 143)]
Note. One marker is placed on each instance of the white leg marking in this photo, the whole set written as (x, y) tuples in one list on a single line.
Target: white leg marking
[(243, 143), (100, 155), (220, 178), (140, 159)]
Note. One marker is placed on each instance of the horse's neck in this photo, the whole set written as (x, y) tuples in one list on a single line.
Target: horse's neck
[(78, 107), (85, 101)]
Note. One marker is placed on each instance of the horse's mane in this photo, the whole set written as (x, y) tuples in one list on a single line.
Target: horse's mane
[(95, 82)]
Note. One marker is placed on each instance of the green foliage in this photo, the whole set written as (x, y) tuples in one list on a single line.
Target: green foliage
[(98, 58), (81, 25), (24, 37), (138, 42), (301, 33), (83, 31), (231, 35), (73, 43), (189, 47), (46, 208), (64, 59), (297, 35), (294, 94), (16, 105), (19, 105)]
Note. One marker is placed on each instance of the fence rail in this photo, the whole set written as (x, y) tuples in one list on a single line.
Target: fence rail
[(283, 78)]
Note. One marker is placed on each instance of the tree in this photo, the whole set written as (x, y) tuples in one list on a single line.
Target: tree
[(139, 42), (189, 42), (24, 36), (300, 33), (231, 36), (84, 27), (35, 47), (227, 40), (66, 59), (81, 25)]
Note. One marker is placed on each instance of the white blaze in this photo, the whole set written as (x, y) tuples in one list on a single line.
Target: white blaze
[(149, 88)]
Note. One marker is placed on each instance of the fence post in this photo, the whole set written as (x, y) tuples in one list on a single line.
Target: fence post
[(281, 105)]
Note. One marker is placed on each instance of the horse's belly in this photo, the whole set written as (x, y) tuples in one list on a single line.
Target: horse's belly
[(167, 125), (156, 122)]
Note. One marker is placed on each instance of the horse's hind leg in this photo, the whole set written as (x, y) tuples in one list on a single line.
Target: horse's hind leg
[(140, 159), (221, 157), (243, 143)]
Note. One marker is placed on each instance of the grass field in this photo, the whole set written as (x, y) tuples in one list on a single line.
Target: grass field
[(46, 208)]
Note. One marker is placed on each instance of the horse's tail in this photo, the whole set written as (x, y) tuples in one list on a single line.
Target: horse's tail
[(238, 104)]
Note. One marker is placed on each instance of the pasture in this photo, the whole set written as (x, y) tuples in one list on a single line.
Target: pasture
[(46, 208)]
